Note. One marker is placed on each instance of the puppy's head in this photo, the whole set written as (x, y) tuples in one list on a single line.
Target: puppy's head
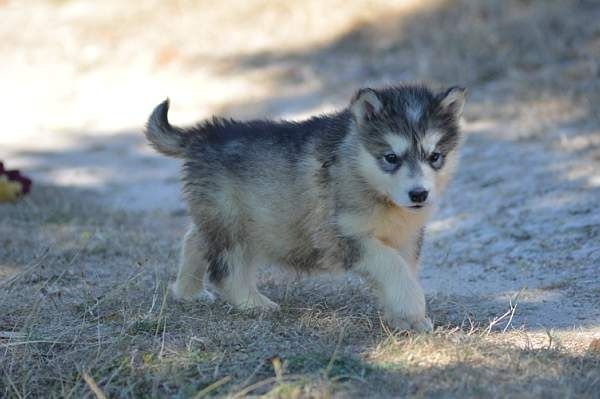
[(408, 139)]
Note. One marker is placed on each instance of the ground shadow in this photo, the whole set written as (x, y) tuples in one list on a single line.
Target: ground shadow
[(503, 42)]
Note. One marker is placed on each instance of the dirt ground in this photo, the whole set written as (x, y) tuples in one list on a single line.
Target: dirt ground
[(511, 260)]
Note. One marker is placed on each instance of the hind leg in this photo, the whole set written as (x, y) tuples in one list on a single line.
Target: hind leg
[(189, 284), (235, 278)]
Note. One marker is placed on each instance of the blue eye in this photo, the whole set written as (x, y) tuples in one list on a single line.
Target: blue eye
[(391, 158)]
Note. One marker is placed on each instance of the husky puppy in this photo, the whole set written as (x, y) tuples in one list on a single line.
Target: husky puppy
[(348, 191)]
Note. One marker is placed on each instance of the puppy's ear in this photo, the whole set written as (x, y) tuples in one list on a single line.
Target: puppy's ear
[(452, 101), (365, 105)]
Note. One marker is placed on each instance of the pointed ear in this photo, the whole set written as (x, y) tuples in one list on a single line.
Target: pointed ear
[(452, 101), (365, 105)]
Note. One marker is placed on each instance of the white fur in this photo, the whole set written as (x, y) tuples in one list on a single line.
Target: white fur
[(396, 186), (397, 286), (239, 286), (404, 181), (372, 172), (190, 278), (430, 141), (398, 143)]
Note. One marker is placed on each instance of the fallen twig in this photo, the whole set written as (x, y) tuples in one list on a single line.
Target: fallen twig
[(93, 386), (206, 390)]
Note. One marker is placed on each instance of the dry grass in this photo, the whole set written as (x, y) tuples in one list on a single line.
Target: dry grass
[(91, 313), (84, 306)]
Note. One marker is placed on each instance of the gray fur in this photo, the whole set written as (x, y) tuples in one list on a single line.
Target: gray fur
[(161, 135), (280, 192)]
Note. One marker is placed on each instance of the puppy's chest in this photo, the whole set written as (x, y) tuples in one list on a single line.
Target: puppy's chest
[(397, 228), (394, 227)]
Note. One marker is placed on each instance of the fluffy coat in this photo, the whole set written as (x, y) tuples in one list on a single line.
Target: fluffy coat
[(348, 191)]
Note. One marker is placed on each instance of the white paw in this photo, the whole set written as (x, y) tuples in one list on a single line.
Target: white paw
[(256, 302), (408, 311), (421, 325), (182, 294), (205, 296)]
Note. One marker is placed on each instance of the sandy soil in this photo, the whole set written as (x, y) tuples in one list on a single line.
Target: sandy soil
[(519, 223), (521, 217)]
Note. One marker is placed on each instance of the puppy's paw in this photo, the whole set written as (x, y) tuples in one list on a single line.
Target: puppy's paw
[(205, 296), (264, 304), (419, 325), (181, 294), (257, 302)]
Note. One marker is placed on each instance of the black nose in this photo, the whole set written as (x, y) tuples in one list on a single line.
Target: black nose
[(418, 194)]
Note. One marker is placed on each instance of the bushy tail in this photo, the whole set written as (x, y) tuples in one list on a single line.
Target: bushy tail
[(164, 138)]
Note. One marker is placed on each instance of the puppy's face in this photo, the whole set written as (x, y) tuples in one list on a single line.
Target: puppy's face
[(408, 142)]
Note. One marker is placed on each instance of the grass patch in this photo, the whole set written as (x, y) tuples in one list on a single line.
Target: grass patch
[(338, 367)]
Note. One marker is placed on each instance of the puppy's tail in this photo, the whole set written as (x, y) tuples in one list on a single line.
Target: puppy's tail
[(162, 136)]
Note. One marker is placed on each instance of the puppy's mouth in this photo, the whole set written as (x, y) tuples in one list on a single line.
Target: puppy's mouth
[(414, 207)]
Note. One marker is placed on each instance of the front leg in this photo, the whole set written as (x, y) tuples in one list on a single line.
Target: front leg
[(397, 286)]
